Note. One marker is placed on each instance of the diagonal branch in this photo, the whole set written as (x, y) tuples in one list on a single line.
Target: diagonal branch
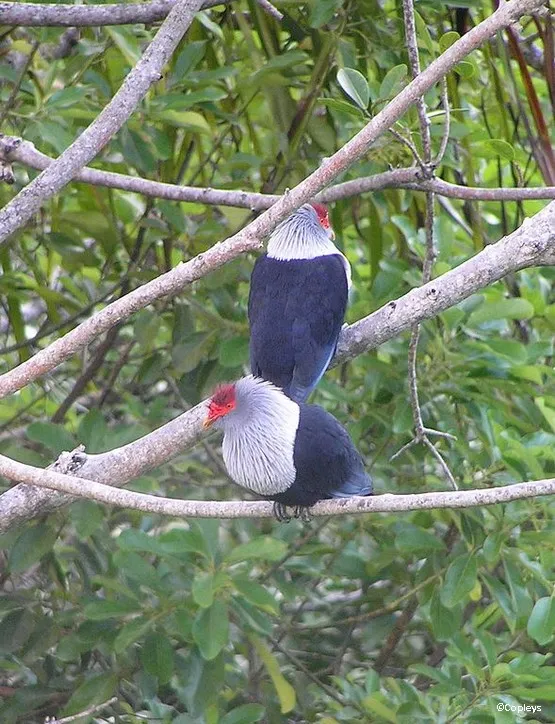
[(532, 244), (24, 152), (133, 89)]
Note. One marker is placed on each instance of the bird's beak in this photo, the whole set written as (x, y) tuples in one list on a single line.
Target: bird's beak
[(208, 422), (331, 233)]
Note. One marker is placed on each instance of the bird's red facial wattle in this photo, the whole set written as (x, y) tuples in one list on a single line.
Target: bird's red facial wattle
[(221, 403), (323, 218)]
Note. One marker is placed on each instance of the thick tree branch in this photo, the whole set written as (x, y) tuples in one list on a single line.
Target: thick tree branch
[(24, 152), (533, 243), (133, 89), (60, 15), (386, 503), (251, 236)]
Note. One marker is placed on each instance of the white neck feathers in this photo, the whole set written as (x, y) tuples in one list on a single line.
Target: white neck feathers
[(301, 236), (259, 437)]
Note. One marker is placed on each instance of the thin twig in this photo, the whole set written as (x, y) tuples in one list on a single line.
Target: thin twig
[(86, 712), (446, 124), (15, 90), (419, 432), (270, 9)]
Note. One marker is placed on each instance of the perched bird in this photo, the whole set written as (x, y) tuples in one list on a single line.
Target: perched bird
[(293, 454), (297, 301)]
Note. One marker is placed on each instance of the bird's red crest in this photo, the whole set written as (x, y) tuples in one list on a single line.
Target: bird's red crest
[(322, 213), (224, 395), (221, 403)]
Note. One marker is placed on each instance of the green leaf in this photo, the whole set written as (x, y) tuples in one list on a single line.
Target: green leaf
[(410, 538), (424, 39), (515, 308), (285, 692), (355, 86), (127, 43), (341, 107), (31, 546), (234, 352), (205, 585), (547, 412), (95, 690), (157, 657), (322, 12), (376, 705), (189, 57), (459, 579), (392, 82), (211, 629), (100, 610), (447, 40), (263, 548), (498, 147), (129, 633), (541, 624), (256, 594), (444, 620), (190, 120), (465, 69), (245, 714), (137, 569), (54, 437)]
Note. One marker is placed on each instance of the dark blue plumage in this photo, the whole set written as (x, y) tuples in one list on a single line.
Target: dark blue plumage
[(296, 311), (327, 464)]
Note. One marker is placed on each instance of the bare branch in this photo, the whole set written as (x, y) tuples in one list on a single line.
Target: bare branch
[(60, 15), (133, 89), (530, 245), (386, 503), (533, 244), (270, 9), (24, 152), (82, 714), (430, 256)]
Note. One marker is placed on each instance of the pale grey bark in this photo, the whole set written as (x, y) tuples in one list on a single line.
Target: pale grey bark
[(65, 15), (387, 503), (24, 152)]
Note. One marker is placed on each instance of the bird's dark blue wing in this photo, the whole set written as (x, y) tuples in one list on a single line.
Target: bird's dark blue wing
[(326, 461), (296, 310)]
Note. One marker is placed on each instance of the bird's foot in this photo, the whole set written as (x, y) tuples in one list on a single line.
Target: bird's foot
[(280, 513), (303, 513)]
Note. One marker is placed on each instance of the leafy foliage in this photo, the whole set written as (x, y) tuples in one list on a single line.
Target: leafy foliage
[(434, 616)]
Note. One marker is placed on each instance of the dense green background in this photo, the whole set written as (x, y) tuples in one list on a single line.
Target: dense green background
[(245, 621)]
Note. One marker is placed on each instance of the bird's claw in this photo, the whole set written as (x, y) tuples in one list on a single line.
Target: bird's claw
[(280, 513), (300, 512), (303, 513)]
